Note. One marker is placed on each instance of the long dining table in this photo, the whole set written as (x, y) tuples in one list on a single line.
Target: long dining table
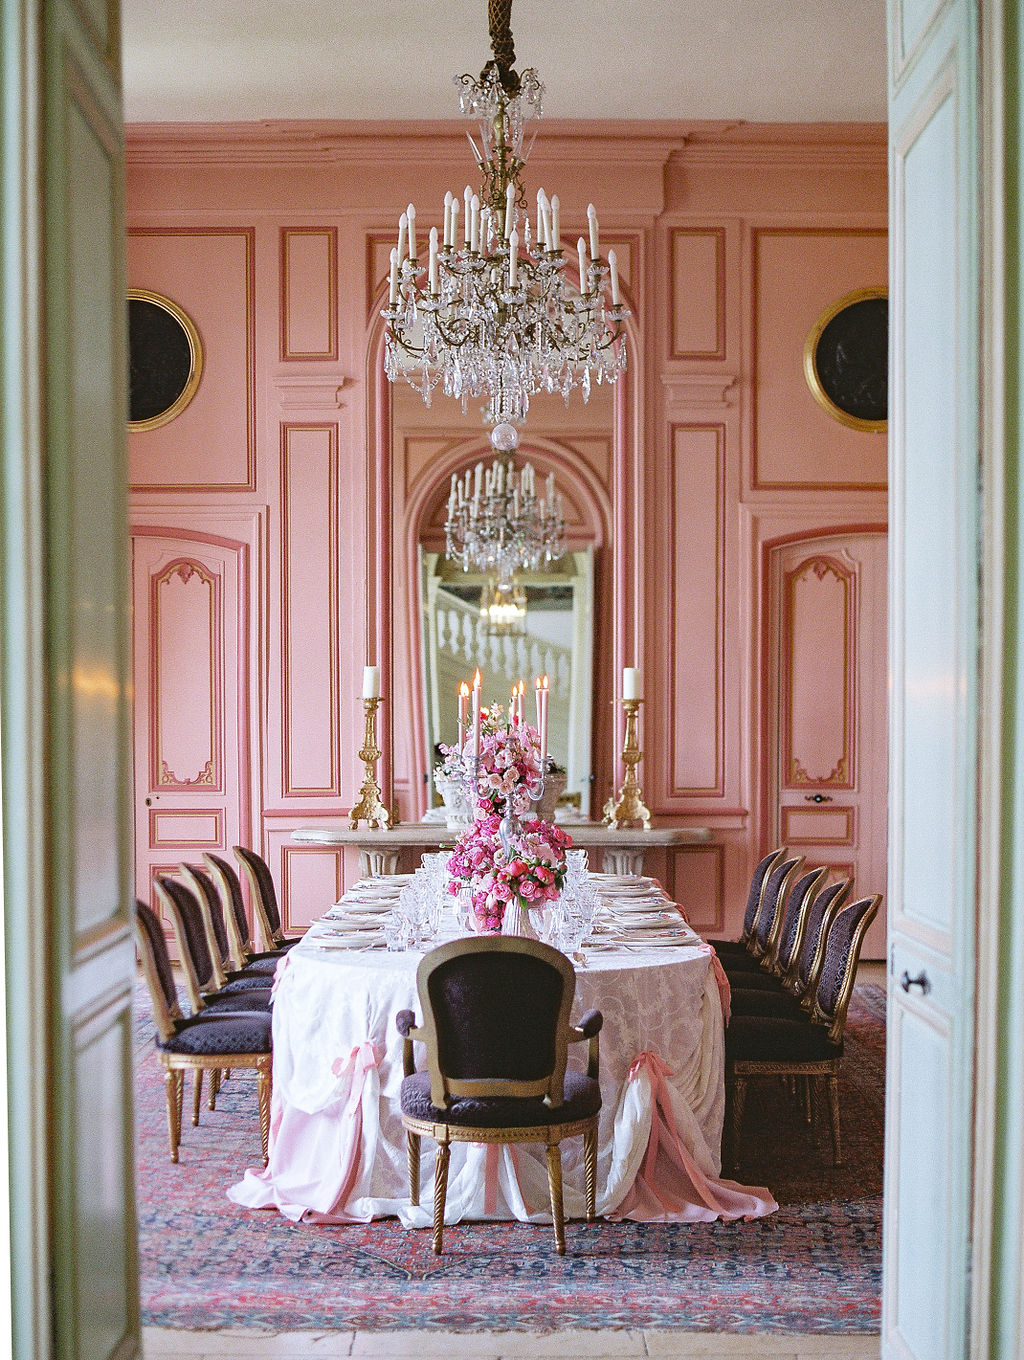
[(337, 1145)]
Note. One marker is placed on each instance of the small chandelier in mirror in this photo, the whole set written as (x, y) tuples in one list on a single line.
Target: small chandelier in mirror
[(497, 524), (503, 609), (493, 314)]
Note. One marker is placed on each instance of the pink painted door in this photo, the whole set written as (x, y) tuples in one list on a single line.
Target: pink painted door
[(191, 750), (828, 708)]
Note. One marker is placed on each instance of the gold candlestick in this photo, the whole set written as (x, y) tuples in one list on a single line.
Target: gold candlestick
[(630, 806), (370, 809)]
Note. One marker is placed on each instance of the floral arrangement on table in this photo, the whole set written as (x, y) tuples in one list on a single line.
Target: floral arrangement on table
[(532, 871), (530, 867)]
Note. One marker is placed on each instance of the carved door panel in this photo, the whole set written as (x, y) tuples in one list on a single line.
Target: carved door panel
[(828, 709), (190, 687)]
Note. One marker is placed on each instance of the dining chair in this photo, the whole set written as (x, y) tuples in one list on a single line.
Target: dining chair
[(496, 1030), (797, 910), (196, 960), (243, 953), (806, 1046), (755, 897), (206, 894), (263, 897), (761, 994), (761, 944), (207, 1040)]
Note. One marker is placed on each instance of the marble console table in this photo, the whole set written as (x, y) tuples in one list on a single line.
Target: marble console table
[(622, 851)]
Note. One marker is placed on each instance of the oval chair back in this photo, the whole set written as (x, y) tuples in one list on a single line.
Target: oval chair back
[(263, 895), (496, 1018), (776, 893), (156, 968), (206, 895), (755, 897), (233, 907), (187, 919), (839, 969), (802, 977), (794, 920)]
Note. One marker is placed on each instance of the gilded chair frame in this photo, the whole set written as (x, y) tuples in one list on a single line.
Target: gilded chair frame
[(271, 937), (238, 954), (218, 976), (767, 954), (791, 982), (175, 1065), (776, 965), (776, 859), (550, 1088), (820, 1071)]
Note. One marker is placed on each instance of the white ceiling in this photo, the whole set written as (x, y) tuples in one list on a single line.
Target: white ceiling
[(759, 60)]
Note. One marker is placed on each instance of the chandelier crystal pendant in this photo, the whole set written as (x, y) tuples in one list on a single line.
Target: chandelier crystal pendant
[(503, 609), (493, 313), (496, 522)]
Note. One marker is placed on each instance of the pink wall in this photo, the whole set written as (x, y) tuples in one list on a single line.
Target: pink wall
[(274, 238)]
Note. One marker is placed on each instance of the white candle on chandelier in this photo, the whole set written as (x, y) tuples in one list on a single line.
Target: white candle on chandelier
[(515, 503), (556, 227), (478, 476), (474, 224), (403, 227), (433, 260), (468, 223), (613, 267), (500, 475), (453, 231), (513, 257), (371, 682), (540, 218), (551, 488), (632, 687), (410, 212), (592, 219), (510, 210), (581, 250), (394, 276)]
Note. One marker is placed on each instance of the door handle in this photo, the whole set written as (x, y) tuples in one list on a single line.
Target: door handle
[(817, 798), (906, 982)]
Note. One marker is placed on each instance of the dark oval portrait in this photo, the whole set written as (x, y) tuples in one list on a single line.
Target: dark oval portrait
[(165, 359), (846, 359)]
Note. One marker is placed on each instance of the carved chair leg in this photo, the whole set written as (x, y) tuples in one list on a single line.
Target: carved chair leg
[(264, 1080), (440, 1194), (173, 1080), (214, 1088), (739, 1096), (555, 1191), (808, 1094), (412, 1146), (590, 1164), (833, 1112), (197, 1094)]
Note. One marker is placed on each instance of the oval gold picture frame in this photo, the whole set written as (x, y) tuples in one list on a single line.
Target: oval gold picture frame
[(813, 356), (154, 364)]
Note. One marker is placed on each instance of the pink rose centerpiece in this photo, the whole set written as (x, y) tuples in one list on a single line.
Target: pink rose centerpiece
[(501, 859)]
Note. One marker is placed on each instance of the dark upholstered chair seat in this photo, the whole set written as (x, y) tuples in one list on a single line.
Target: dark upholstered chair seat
[(744, 963), (582, 1098), (224, 1033), (728, 948), (265, 965), (247, 982), (752, 1001), (757, 982), (763, 1038), (248, 999)]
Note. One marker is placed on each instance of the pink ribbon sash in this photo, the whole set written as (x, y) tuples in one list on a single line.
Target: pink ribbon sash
[(670, 1187)]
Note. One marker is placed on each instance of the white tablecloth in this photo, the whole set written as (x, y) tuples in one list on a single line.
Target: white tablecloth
[(338, 1149)]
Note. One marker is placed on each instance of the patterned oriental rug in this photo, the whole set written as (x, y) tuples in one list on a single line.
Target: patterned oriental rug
[(813, 1267)]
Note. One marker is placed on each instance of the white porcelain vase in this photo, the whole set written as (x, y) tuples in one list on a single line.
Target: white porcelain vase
[(554, 787), (516, 921), (458, 814)]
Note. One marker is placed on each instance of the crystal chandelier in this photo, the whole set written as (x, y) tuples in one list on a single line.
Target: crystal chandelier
[(493, 313), (497, 524), (503, 609)]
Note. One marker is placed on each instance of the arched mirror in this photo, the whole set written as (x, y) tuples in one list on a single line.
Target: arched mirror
[(567, 619)]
